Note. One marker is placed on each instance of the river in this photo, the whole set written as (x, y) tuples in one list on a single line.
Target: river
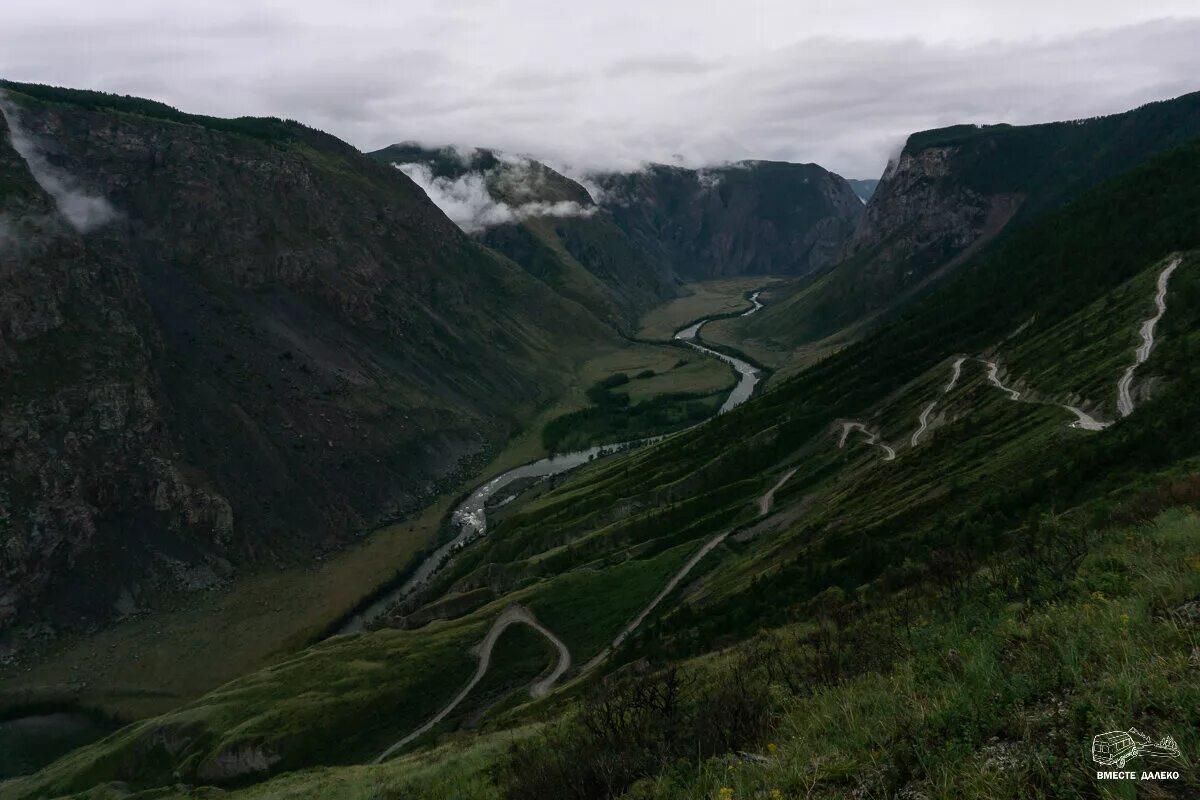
[(470, 517)]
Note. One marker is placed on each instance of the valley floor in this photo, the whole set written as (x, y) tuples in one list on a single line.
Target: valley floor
[(157, 659), (703, 299)]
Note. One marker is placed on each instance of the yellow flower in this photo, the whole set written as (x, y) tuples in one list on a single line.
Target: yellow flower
[(772, 748), (1097, 595), (725, 793), (1124, 619), (776, 794)]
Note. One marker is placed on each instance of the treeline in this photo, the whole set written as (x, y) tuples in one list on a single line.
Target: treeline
[(1048, 163), (614, 417), (267, 128)]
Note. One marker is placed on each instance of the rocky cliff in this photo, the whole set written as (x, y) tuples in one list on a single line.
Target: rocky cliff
[(951, 193), (229, 342), (754, 217)]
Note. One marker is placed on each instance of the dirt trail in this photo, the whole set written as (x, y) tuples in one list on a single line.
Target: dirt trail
[(1085, 421), (514, 614), (993, 377), (924, 423), (645, 612), (955, 373), (872, 439), (767, 500), (1125, 385)]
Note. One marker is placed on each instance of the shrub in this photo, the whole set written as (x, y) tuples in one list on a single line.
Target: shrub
[(630, 729)]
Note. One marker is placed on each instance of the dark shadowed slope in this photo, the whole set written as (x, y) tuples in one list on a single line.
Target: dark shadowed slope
[(753, 217), (548, 224), (274, 344)]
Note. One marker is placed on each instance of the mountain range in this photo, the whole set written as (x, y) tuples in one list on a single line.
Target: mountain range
[(952, 540)]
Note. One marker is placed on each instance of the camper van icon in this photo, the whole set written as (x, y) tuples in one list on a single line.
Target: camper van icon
[(1117, 747)]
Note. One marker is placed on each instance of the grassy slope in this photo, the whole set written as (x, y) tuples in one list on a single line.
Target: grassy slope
[(981, 691), (908, 547), (998, 692), (863, 511)]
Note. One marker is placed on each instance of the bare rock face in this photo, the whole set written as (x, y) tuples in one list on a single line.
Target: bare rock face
[(81, 427), (916, 192), (754, 217), (922, 220), (238, 761), (267, 344)]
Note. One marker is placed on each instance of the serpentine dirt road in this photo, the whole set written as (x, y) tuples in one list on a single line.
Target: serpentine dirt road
[(519, 614), (1083, 420), (872, 439), (767, 500), (1125, 385), (514, 614)]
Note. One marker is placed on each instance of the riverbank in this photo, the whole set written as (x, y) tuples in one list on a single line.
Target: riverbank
[(157, 659)]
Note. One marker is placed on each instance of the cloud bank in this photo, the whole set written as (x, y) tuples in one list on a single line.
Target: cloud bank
[(610, 86), (84, 210), (468, 202)]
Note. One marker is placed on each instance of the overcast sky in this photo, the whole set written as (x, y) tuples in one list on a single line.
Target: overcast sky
[(617, 83)]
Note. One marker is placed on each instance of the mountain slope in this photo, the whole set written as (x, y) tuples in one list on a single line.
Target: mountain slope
[(951, 193), (754, 217), (271, 344), (543, 221), (975, 575)]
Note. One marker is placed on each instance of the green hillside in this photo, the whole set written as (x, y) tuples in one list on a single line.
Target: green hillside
[(956, 621)]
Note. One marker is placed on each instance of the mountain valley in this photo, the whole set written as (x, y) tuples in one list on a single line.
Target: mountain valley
[(880, 497)]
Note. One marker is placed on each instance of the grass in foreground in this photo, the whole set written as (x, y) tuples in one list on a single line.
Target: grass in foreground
[(985, 684)]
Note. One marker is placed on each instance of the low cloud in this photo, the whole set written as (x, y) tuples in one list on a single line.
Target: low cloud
[(84, 210), (614, 85), (468, 202)]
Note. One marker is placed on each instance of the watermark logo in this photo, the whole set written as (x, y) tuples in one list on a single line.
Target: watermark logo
[(1118, 748)]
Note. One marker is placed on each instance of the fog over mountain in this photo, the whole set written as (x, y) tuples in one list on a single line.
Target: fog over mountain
[(614, 87)]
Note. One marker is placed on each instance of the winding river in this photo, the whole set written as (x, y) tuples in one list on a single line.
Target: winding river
[(470, 518), (749, 375)]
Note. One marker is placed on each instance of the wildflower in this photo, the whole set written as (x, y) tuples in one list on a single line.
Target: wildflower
[(725, 793), (1125, 619), (1098, 596), (772, 748), (776, 794)]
